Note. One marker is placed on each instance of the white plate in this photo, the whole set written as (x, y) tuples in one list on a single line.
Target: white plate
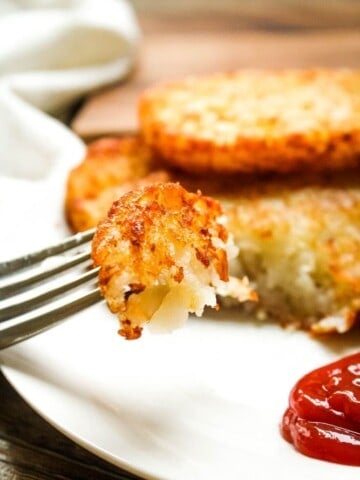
[(204, 402)]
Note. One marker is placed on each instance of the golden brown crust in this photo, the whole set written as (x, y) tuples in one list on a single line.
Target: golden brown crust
[(256, 121), (109, 169), (146, 237)]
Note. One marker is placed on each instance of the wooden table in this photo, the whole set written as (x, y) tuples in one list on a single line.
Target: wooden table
[(205, 38)]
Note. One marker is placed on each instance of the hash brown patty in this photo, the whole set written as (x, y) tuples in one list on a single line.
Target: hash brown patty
[(256, 121), (298, 236)]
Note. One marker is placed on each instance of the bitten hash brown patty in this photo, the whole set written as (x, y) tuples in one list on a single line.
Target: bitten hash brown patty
[(256, 121), (298, 236)]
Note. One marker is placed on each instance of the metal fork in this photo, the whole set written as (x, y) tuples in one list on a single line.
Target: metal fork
[(31, 301)]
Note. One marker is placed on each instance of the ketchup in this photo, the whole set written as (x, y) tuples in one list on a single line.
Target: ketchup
[(323, 418)]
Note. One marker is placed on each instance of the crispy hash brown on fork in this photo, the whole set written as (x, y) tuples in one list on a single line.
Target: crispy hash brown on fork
[(298, 239), (163, 253), (256, 121)]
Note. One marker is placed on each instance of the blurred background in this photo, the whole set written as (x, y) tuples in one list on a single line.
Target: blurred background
[(270, 15), (201, 36)]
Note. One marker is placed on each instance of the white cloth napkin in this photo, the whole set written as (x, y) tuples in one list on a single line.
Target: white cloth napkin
[(52, 52)]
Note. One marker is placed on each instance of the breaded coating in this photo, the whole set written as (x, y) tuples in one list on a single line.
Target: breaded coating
[(110, 168), (256, 121), (163, 253)]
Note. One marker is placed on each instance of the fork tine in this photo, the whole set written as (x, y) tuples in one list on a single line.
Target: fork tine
[(14, 307), (24, 261), (17, 325), (31, 324), (24, 281)]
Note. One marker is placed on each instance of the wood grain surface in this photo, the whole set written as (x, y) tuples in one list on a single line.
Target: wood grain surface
[(195, 37)]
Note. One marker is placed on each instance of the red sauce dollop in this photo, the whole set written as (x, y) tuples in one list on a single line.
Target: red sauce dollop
[(323, 418)]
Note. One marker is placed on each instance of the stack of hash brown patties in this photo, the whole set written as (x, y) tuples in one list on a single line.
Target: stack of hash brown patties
[(281, 151)]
